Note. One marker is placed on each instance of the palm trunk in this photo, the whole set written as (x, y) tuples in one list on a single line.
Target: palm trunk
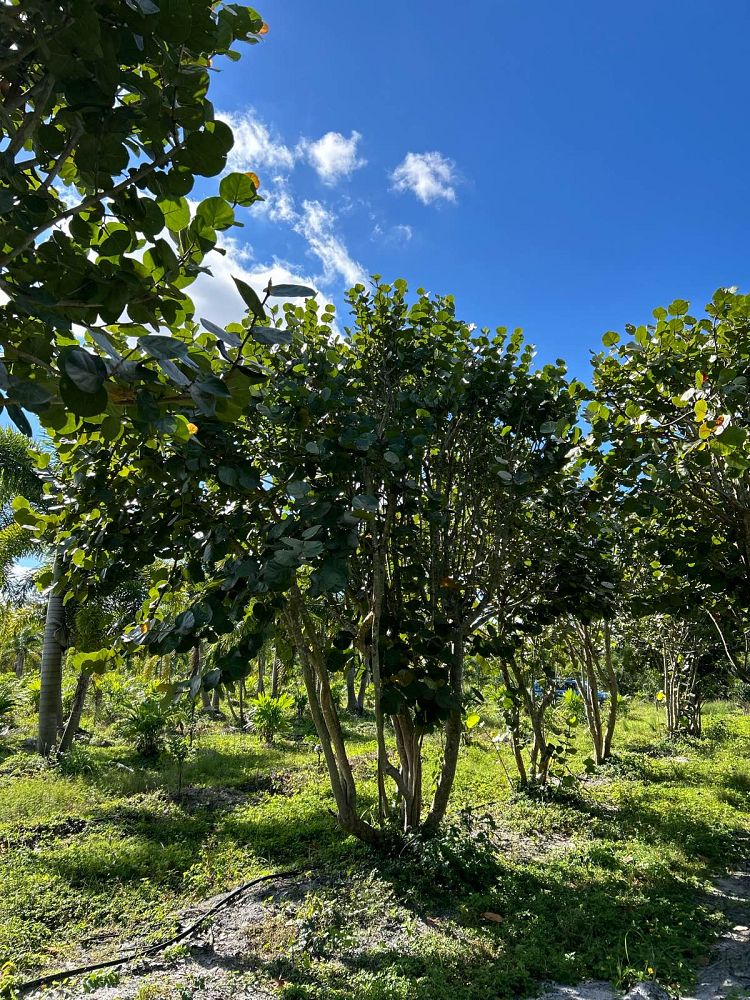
[(74, 720), (20, 662), (275, 677), (50, 692)]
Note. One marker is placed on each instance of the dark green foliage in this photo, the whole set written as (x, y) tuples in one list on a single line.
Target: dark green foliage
[(145, 725), (106, 125)]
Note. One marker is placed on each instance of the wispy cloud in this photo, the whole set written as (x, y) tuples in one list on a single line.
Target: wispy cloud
[(333, 156), (430, 176), (316, 224), (398, 234), (256, 144), (279, 201)]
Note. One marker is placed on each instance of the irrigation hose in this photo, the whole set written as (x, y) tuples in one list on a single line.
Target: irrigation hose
[(52, 977)]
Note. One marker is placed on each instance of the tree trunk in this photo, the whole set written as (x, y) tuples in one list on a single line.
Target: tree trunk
[(275, 677), (514, 728), (230, 706), (613, 689), (20, 662), (363, 683), (261, 689), (351, 694), (216, 700), (453, 727), (315, 674), (50, 691), (76, 711)]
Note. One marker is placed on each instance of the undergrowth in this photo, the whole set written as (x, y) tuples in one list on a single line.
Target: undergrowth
[(605, 880)]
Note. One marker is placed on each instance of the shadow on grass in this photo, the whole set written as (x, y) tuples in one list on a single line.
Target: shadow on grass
[(544, 927), (656, 819)]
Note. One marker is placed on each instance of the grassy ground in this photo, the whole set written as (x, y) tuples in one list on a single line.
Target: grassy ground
[(604, 880)]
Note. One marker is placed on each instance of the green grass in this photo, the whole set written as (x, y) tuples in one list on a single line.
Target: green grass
[(603, 881)]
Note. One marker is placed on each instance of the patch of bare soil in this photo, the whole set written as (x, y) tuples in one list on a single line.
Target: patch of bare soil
[(218, 962), (728, 972), (221, 960)]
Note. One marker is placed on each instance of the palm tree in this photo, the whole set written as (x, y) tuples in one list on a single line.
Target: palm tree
[(20, 639), (18, 477)]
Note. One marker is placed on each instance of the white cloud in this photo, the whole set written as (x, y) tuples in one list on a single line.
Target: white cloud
[(402, 233), (430, 176), (398, 234), (333, 156), (215, 296), (316, 224), (256, 145), (279, 203)]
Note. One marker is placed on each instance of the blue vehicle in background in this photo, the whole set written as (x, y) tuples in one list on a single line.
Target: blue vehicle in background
[(562, 685)]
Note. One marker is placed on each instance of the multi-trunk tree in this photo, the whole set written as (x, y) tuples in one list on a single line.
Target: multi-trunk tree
[(425, 458), (671, 428)]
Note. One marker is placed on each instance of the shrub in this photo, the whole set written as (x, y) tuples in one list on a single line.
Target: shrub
[(145, 724), (8, 701), (462, 855), (270, 715)]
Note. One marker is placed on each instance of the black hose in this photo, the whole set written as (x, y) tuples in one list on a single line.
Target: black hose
[(52, 977)]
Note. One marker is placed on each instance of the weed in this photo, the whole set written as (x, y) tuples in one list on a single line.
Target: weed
[(100, 977)]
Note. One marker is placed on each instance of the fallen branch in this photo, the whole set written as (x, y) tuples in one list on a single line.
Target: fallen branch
[(52, 977)]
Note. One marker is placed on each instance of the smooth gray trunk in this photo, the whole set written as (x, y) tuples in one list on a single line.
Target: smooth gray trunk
[(76, 711), (50, 692)]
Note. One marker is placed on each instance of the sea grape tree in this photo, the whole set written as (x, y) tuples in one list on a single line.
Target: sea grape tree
[(106, 124), (423, 455), (671, 419), (671, 425)]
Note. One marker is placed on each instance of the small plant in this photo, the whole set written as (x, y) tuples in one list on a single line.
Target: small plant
[(8, 703), (572, 704), (270, 715), (179, 749), (8, 981), (100, 977), (76, 760), (145, 724), (175, 952), (322, 926)]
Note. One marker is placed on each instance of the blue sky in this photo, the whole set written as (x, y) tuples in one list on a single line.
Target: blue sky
[(564, 167)]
